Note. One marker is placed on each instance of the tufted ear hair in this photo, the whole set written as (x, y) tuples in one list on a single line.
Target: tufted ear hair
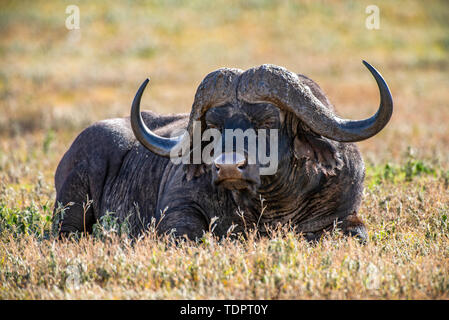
[(319, 153)]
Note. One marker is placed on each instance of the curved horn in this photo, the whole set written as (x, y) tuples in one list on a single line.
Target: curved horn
[(159, 145), (217, 88), (284, 88)]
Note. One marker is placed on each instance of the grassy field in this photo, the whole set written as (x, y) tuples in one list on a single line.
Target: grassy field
[(54, 82)]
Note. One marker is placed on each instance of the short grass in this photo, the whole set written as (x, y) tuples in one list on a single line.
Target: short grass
[(55, 82)]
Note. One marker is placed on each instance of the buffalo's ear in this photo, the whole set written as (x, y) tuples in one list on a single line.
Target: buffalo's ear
[(320, 154)]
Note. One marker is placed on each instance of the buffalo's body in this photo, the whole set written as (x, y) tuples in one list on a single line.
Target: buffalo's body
[(108, 165)]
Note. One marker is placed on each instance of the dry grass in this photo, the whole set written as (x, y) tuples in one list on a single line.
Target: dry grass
[(53, 85), (406, 257)]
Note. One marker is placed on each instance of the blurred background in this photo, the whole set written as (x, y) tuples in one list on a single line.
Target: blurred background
[(54, 81)]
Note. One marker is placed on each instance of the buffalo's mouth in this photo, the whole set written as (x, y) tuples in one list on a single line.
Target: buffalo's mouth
[(231, 171), (236, 184)]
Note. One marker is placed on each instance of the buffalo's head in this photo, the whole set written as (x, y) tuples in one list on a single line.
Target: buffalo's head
[(264, 97)]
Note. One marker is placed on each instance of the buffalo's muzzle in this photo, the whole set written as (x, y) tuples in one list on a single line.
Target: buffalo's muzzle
[(231, 170)]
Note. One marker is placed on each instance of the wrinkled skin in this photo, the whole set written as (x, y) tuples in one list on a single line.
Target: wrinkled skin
[(318, 185)]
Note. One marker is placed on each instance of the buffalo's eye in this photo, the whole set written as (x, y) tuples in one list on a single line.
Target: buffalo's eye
[(212, 126)]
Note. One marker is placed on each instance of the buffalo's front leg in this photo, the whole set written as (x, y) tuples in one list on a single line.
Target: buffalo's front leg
[(353, 226), (185, 222), (78, 217)]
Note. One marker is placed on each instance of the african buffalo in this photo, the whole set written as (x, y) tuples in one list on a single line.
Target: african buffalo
[(125, 165)]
